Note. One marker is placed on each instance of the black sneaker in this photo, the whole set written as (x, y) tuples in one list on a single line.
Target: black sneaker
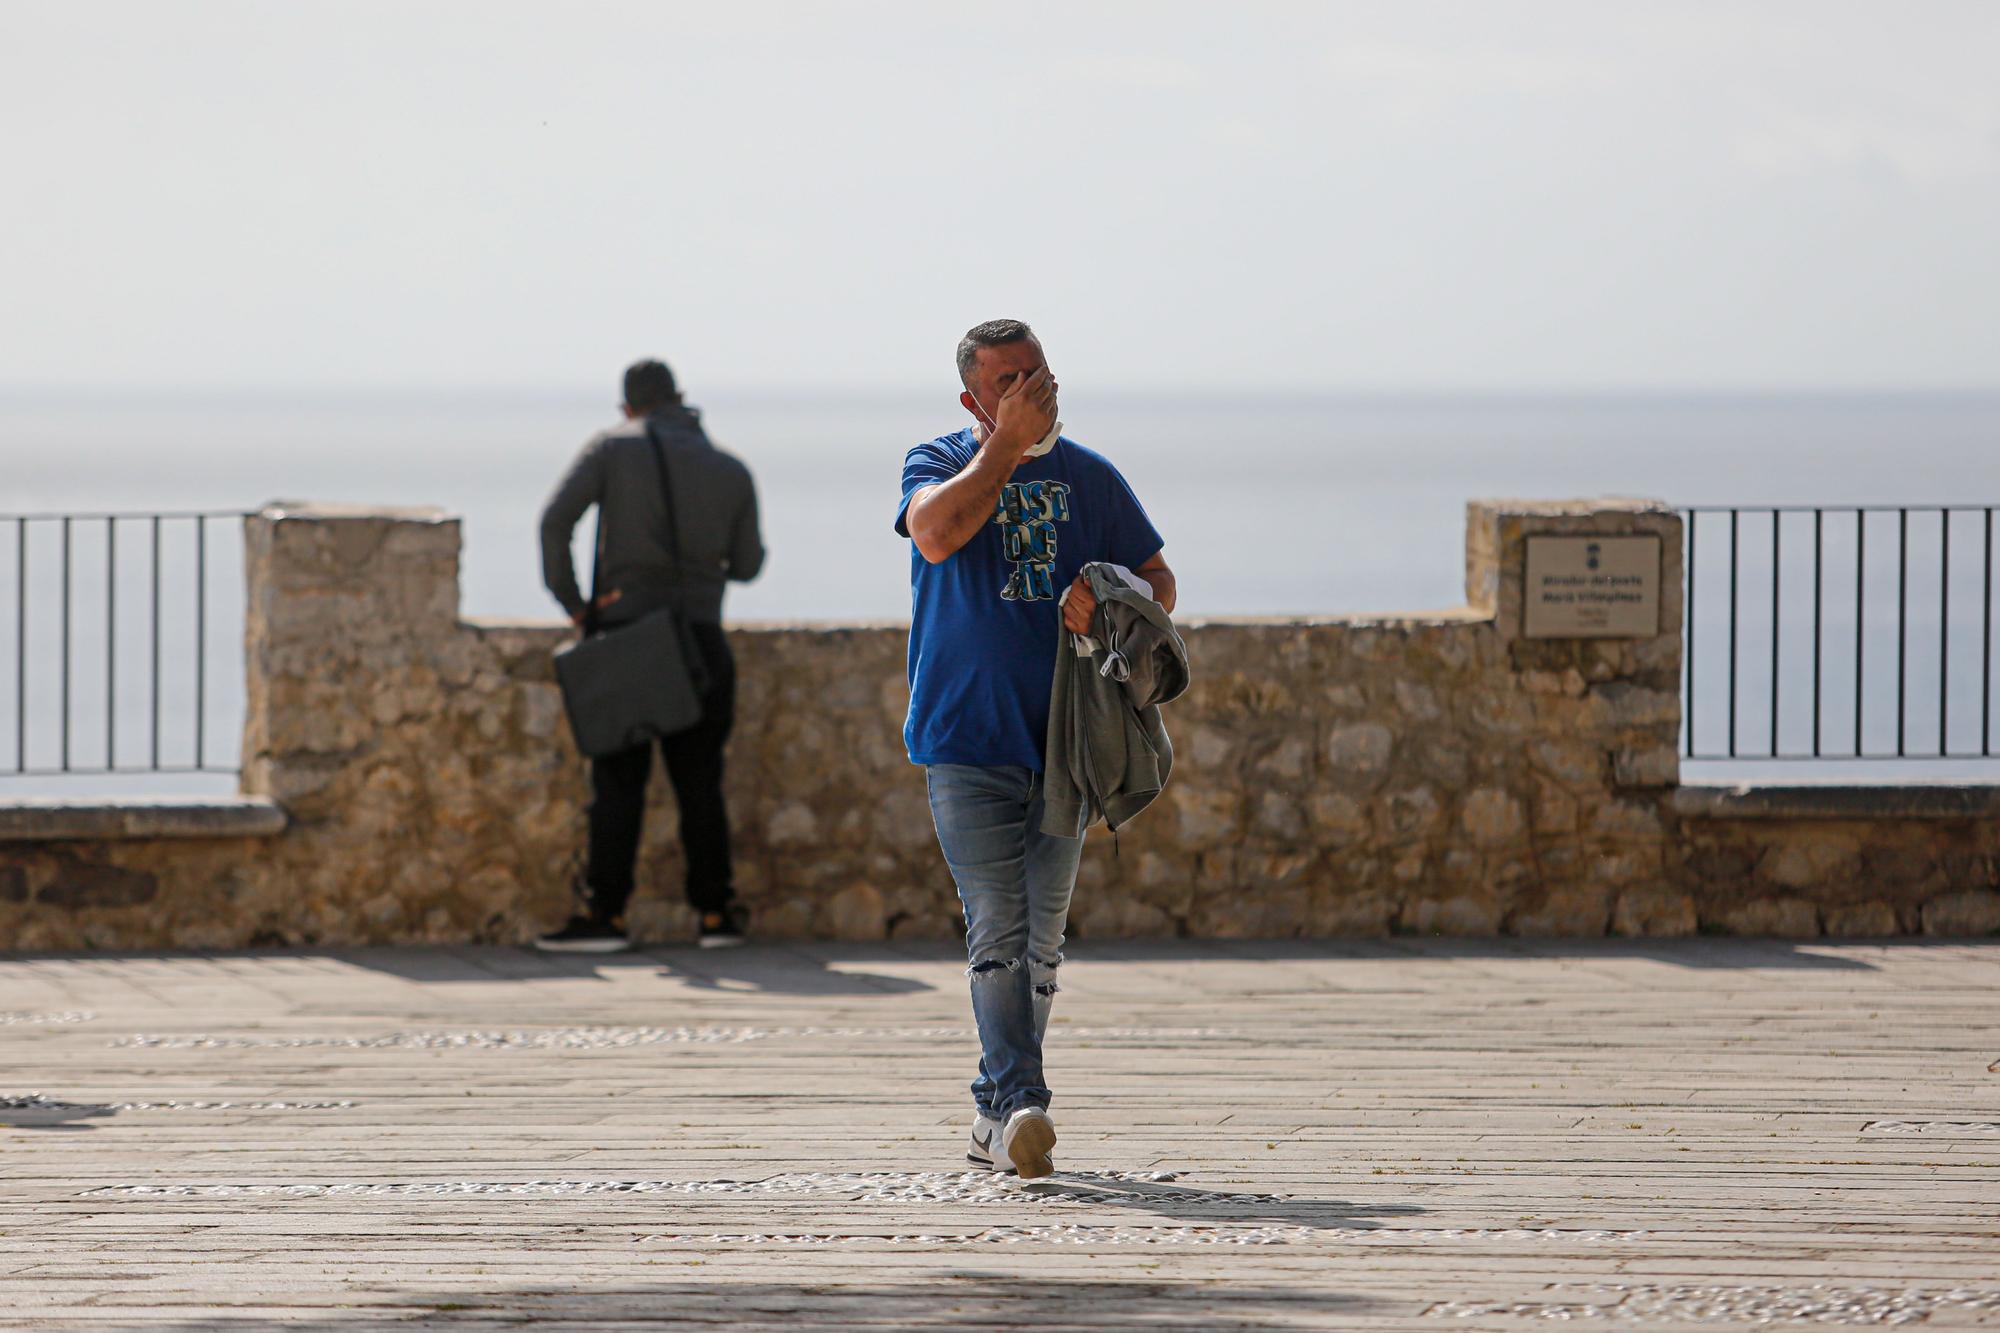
[(722, 930), (586, 934)]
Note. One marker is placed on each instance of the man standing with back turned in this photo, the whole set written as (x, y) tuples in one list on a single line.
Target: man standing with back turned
[(1002, 516), (651, 556)]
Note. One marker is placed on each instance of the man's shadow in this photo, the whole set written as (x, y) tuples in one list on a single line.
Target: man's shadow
[(39, 1112), (1215, 1207), (773, 970)]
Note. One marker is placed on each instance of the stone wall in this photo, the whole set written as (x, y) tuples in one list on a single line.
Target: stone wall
[(1336, 776)]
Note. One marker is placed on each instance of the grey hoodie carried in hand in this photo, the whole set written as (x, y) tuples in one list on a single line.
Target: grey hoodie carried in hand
[(1108, 753)]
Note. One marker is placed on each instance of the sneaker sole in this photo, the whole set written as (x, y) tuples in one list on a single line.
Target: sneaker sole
[(1030, 1150), (727, 942), (583, 946)]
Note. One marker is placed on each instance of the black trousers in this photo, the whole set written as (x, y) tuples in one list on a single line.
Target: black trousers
[(694, 764)]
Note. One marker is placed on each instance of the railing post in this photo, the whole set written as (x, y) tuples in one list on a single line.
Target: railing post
[(1819, 599), (153, 713), (1777, 623), (1986, 646), (1902, 627), (1735, 583), (110, 642), (20, 644), (1688, 582), (63, 684), (200, 637), (1860, 623)]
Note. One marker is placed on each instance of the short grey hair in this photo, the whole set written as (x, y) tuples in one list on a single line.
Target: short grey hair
[(993, 333)]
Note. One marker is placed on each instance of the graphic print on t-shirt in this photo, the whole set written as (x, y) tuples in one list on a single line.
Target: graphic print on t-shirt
[(1027, 513)]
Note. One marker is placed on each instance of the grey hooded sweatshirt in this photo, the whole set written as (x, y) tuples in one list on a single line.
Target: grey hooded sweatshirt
[(1108, 753)]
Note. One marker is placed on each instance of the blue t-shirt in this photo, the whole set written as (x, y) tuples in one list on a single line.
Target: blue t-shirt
[(985, 622)]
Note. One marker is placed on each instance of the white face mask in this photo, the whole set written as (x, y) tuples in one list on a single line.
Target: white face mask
[(1046, 443)]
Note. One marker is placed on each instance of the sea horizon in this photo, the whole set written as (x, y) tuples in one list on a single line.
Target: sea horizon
[(1309, 506)]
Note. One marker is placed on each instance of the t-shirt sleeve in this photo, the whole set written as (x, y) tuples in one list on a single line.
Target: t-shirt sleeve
[(925, 465), (1134, 539)]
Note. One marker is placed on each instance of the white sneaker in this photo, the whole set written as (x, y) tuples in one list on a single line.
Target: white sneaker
[(985, 1149), (1028, 1137)]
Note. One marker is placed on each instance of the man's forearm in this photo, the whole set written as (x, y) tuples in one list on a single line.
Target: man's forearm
[(949, 514), (1159, 577)]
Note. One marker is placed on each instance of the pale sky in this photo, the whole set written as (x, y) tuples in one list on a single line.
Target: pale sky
[(1526, 195)]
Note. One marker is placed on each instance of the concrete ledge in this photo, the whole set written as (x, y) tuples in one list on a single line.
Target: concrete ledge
[(322, 512), (1831, 800), (36, 820)]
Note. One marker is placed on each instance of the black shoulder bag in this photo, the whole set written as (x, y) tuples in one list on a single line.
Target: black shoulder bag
[(627, 686)]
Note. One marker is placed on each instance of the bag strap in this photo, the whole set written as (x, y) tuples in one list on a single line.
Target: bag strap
[(673, 531), (667, 496), (697, 663)]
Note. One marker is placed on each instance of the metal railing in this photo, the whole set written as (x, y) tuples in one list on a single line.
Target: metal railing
[(113, 665), (1838, 633)]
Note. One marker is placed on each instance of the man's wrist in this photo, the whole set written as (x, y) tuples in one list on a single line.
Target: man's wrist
[(1001, 443)]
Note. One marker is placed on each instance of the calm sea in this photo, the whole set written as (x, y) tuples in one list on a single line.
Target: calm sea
[(1269, 505)]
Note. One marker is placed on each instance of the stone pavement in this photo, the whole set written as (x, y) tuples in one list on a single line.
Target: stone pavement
[(1385, 1134)]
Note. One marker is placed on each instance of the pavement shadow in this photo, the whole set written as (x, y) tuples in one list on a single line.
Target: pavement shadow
[(1705, 952), (1224, 1207), (969, 1298), (770, 968), (1697, 952), (753, 968), (38, 1112), (775, 970)]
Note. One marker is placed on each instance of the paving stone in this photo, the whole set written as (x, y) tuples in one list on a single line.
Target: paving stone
[(1389, 1134)]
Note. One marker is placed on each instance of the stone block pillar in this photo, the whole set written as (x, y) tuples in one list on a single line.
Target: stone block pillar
[(1496, 551), (1585, 602), (1635, 675), (346, 610), (419, 756)]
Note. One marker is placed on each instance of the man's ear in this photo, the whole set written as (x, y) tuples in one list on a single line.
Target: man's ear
[(630, 413)]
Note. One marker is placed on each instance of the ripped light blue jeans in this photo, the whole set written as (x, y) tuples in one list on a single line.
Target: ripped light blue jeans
[(1015, 882)]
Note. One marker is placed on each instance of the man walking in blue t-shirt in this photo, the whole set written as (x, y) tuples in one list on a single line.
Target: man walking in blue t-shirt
[(1002, 516)]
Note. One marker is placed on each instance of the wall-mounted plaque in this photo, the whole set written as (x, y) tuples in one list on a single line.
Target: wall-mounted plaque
[(1592, 588)]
